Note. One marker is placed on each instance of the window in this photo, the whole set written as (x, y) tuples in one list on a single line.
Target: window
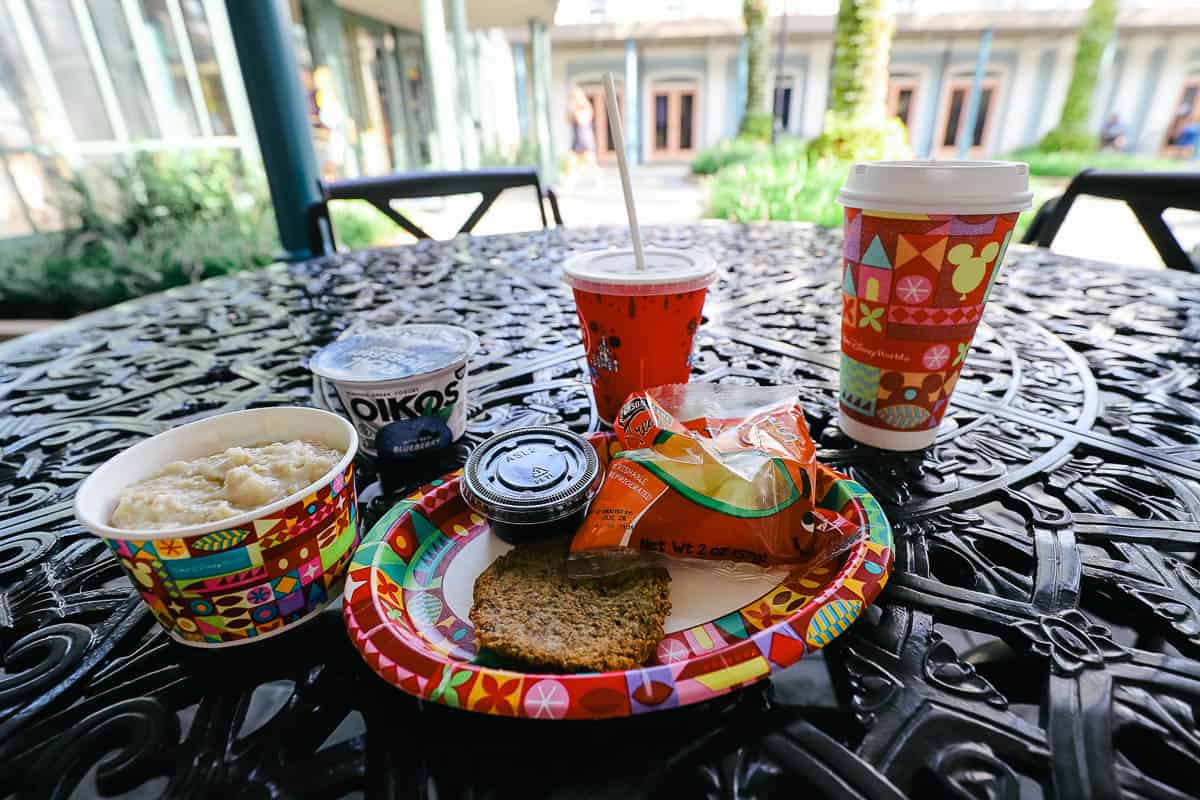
[(601, 124), (902, 93), (952, 127), (121, 57), (18, 96), (781, 106), (25, 176), (904, 105), (674, 113), (985, 108), (660, 121), (205, 55), (73, 76), (687, 102), (958, 99), (168, 70), (1185, 115)]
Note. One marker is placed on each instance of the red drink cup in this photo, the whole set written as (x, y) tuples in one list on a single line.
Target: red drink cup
[(923, 245), (638, 325)]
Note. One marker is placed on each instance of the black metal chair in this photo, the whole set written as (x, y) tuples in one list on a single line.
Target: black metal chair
[(381, 191), (1148, 195)]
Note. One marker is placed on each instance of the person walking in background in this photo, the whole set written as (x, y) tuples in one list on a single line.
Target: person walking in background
[(1112, 135), (583, 137)]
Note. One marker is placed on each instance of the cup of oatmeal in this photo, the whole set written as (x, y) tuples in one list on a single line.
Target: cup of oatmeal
[(233, 528)]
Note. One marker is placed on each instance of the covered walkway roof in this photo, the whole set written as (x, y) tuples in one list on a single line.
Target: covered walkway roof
[(480, 13)]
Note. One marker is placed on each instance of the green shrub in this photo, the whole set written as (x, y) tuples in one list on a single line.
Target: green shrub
[(173, 220), (357, 225), (524, 155), (757, 126), (849, 139), (725, 153), (778, 185), (1066, 164)]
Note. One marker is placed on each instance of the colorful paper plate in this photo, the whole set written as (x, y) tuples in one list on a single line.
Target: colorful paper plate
[(410, 585)]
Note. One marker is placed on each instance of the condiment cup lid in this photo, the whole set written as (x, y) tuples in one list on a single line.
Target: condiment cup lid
[(938, 187), (531, 475)]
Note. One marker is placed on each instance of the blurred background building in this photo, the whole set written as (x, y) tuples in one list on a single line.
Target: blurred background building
[(397, 86), (689, 62)]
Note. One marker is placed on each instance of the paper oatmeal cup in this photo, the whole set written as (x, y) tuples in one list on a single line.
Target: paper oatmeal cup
[(248, 577)]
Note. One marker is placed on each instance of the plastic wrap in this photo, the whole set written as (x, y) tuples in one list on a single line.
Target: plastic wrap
[(710, 471)]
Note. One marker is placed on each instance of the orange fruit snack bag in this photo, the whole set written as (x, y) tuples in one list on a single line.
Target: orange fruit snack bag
[(709, 471)]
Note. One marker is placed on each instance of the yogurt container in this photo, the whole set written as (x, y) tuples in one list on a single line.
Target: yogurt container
[(413, 375)]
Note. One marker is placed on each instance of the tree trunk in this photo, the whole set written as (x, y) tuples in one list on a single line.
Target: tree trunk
[(862, 43), (756, 123), (857, 127), (1072, 132)]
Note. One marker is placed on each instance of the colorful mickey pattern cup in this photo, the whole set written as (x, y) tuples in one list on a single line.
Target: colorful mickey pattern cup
[(248, 577), (924, 241)]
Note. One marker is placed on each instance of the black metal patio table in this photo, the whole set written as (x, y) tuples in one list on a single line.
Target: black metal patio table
[(1040, 635)]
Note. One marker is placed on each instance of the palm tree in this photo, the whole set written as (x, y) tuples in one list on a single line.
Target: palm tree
[(861, 48), (1071, 132), (856, 124), (756, 123)]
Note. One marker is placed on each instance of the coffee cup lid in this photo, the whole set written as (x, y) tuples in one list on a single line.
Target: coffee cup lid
[(938, 187), (615, 271)]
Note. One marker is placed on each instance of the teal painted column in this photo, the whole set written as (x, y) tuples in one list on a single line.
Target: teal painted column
[(394, 92), (929, 118), (633, 117), (539, 45), (262, 35), (1037, 104), (743, 76), (1150, 79), (440, 82), (518, 51), (968, 134), (468, 132)]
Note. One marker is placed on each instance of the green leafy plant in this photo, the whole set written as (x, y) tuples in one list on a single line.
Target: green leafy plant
[(357, 225), (781, 184), (855, 139), (159, 221), (1068, 163), (725, 153)]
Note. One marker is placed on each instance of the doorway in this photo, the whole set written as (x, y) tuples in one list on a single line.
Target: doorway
[(952, 120), (1178, 143), (605, 149), (673, 117)]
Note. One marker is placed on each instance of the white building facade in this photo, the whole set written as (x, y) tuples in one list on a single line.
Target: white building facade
[(690, 70)]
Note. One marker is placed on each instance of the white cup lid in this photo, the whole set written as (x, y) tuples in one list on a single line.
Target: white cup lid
[(616, 271), (938, 187)]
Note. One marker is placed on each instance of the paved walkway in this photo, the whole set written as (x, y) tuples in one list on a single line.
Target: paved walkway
[(665, 194), (1104, 230)]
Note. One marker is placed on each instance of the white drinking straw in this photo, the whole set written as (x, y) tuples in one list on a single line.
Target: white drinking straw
[(618, 134)]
